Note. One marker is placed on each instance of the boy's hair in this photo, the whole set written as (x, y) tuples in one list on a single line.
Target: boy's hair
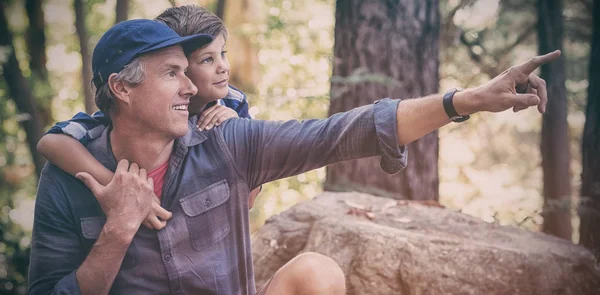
[(191, 20)]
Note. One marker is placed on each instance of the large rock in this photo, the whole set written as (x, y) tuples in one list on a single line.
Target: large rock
[(397, 247)]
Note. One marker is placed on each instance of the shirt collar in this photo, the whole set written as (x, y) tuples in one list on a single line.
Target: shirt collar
[(193, 136), (102, 150)]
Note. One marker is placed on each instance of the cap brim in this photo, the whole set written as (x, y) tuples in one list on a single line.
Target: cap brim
[(189, 43)]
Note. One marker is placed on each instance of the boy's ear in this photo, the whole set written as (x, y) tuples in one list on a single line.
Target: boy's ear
[(120, 89)]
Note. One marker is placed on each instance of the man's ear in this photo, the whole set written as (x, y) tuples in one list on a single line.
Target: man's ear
[(120, 89)]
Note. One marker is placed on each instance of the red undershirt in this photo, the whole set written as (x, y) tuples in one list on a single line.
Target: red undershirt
[(158, 177)]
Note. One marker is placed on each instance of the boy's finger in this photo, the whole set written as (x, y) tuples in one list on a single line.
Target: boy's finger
[(222, 117), (225, 114), (206, 116), (202, 116), (216, 117), (143, 173), (211, 110), (208, 119), (155, 222), (161, 212)]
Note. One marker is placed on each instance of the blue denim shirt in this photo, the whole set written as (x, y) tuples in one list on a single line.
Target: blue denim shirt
[(205, 247)]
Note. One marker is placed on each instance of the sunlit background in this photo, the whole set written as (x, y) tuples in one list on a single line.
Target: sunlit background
[(281, 55)]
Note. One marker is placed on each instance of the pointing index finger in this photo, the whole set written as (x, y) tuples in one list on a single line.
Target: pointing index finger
[(535, 62)]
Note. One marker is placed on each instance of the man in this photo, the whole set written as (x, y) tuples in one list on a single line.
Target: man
[(91, 243)]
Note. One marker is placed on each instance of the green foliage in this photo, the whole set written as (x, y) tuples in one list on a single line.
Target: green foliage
[(295, 45), (17, 180)]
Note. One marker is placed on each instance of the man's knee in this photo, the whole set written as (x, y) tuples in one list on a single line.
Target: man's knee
[(315, 273)]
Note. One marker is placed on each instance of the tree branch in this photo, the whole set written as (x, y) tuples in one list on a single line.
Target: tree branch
[(491, 71)]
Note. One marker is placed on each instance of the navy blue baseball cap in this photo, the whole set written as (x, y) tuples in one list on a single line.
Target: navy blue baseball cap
[(129, 39)]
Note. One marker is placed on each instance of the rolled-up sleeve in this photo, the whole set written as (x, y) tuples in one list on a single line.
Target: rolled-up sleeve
[(67, 285), (54, 246), (393, 156), (265, 150)]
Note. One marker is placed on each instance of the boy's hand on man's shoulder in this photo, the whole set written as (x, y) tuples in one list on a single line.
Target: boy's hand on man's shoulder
[(214, 116)]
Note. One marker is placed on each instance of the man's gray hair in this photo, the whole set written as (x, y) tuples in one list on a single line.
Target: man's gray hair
[(133, 73)]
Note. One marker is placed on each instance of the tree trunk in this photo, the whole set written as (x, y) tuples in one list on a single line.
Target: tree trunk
[(220, 12), (36, 38), (86, 59), (589, 210), (555, 131), (20, 91), (36, 48), (122, 10), (391, 48), (244, 61)]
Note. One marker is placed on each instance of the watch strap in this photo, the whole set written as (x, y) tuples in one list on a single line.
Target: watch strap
[(449, 106)]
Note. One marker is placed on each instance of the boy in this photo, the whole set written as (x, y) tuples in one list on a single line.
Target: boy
[(215, 102)]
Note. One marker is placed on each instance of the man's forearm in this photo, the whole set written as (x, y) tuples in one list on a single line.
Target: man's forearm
[(418, 117), (97, 273)]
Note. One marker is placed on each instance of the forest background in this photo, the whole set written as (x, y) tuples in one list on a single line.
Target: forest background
[(282, 56)]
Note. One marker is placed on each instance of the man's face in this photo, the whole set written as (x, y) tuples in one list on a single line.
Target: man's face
[(209, 71), (161, 101)]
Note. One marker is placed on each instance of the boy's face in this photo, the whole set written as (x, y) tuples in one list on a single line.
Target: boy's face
[(160, 101), (209, 71)]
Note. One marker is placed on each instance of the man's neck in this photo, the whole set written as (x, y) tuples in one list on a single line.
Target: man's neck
[(147, 150)]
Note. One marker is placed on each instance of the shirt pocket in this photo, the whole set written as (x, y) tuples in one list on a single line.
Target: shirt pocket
[(206, 214), (91, 228)]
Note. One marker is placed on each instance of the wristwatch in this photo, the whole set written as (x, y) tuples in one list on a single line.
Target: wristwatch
[(449, 106)]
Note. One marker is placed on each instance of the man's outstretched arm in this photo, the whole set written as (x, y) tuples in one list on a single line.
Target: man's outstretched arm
[(264, 151)]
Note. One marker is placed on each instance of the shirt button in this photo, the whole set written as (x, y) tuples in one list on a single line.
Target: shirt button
[(168, 257), (207, 203)]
